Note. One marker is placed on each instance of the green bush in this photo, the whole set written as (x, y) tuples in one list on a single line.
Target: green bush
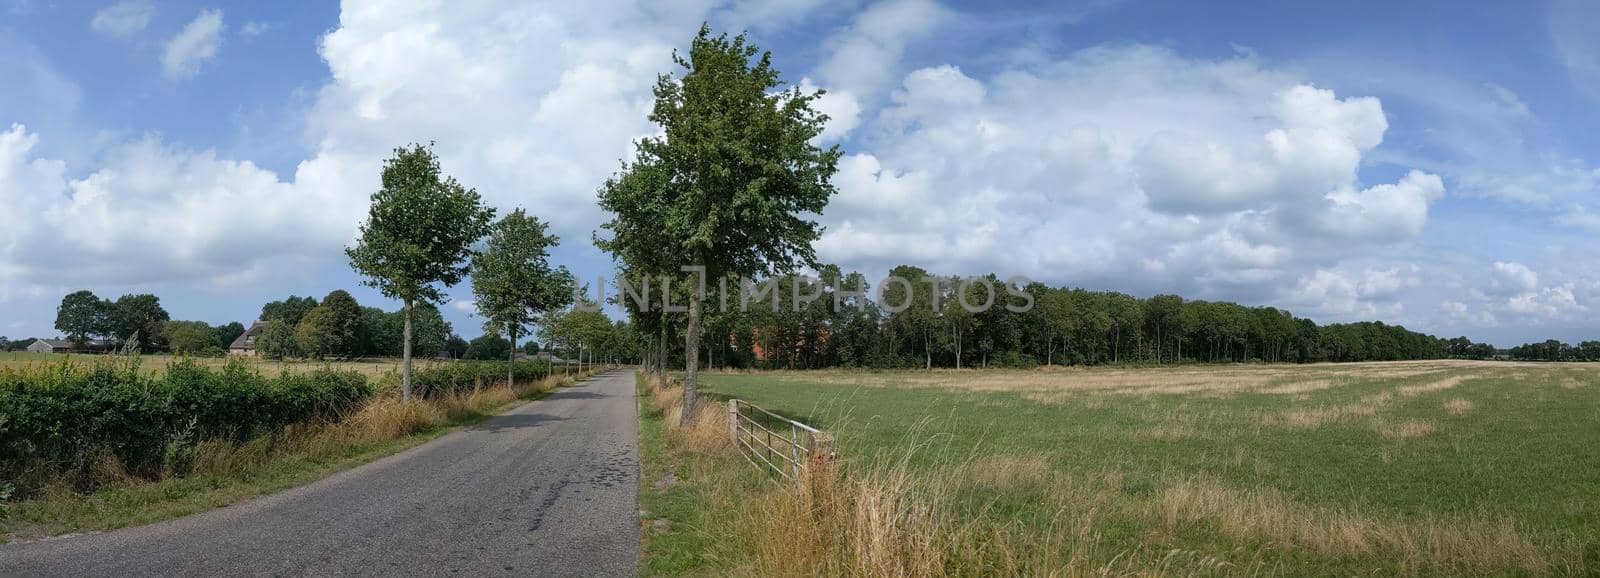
[(464, 376), (65, 419)]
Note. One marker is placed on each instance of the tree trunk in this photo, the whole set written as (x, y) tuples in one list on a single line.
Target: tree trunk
[(691, 362), (927, 351), (511, 361), (956, 331), (661, 359), (405, 356)]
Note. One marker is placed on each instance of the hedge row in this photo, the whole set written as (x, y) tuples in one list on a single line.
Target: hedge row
[(65, 418), (465, 376)]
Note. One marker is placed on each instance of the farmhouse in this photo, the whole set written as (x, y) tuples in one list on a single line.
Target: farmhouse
[(65, 346), (245, 345), (51, 346)]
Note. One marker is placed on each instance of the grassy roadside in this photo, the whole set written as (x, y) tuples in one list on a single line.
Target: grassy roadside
[(224, 474), (685, 530)]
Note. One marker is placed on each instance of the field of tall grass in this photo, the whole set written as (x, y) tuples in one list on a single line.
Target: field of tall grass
[(109, 444), (1412, 468)]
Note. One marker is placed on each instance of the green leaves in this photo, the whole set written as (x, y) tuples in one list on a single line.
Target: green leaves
[(729, 183), (512, 278), (420, 229)]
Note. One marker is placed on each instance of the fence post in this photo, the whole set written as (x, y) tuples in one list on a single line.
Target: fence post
[(733, 420), (821, 451)]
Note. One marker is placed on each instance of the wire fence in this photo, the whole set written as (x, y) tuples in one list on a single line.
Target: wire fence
[(777, 444)]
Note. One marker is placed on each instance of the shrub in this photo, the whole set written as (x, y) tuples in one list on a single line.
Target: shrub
[(67, 421), (465, 376)]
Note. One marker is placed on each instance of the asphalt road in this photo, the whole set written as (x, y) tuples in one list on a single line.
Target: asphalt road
[(548, 489)]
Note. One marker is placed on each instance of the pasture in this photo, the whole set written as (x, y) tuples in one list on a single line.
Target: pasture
[(1434, 467)]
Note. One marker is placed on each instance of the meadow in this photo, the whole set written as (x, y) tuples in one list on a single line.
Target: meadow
[(1411, 468)]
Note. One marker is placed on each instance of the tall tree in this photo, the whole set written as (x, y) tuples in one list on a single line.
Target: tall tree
[(418, 236), (142, 316), (332, 328), (513, 281), (226, 334), (189, 337), (738, 171), (277, 340), (290, 310), (82, 316)]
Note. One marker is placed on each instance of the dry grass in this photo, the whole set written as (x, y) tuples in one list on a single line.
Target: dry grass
[(1434, 545), (1431, 387), (1411, 428), (1005, 472), (1459, 406), (1058, 384)]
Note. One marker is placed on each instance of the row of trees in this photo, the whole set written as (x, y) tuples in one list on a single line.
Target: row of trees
[(84, 318), (1553, 350), (422, 235), (843, 326), (339, 327)]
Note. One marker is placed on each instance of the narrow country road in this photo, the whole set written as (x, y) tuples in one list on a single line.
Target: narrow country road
[(548, 489)]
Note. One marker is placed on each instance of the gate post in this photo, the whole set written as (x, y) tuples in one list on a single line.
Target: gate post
[(822, 455), (733, 420)]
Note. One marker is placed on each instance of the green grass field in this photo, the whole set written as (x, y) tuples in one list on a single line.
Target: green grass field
[(1406, 467)]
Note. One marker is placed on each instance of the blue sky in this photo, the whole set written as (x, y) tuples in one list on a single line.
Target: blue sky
[(1430, 164)]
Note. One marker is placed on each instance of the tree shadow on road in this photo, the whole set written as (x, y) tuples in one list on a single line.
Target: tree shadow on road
[(516, 421)]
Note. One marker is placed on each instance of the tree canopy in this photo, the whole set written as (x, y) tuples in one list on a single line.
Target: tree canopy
[(418, 237), (513, 281), (731, 182)]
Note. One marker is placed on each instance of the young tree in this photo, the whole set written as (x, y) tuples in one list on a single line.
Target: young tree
[(735, 173), (418, 235), (513, 281), (82, 316)]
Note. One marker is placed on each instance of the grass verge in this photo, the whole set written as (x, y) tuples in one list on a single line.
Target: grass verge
[(225, 473)]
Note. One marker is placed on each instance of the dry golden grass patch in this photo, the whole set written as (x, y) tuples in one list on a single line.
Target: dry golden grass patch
[(1004, 472), (1459, 406), (1298, 387), (1432, 545), (1411, 428), (1058, 384), (1430, 387)]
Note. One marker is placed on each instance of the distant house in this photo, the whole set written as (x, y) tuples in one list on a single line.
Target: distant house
[(52, 346), (65, 346), (546, 356), (245, 345)]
